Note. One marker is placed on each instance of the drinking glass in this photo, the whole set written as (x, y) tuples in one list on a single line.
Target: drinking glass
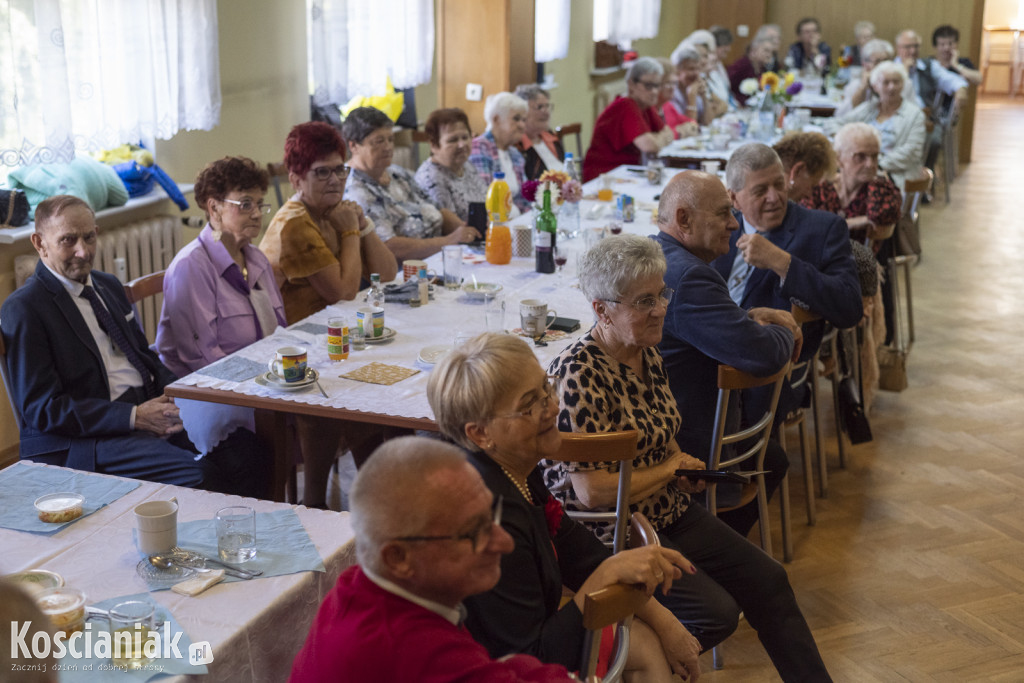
[(494, 313), (452, 258), (131, 629), (236, 533)]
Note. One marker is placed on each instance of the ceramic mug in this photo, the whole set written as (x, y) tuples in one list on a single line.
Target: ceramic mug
[(710, 166), (411, 268), (533, 316), (370, 319), (289, 363), (156, 525)]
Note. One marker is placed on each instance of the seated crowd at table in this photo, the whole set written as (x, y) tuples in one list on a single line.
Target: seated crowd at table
[(714, 285)]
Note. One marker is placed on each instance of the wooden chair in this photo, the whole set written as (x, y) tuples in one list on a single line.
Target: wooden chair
[(5, 378), (615, 604), (913, 190), (571, 129), (604, 447), (278, 174), (146, 312), (418, 137), (804, 374), (729, 380)]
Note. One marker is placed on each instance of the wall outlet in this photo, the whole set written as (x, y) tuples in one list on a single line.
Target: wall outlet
[(474, 92), (742, 30)]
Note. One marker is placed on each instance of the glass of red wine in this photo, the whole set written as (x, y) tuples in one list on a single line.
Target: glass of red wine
[(560, 259), (615, 228)]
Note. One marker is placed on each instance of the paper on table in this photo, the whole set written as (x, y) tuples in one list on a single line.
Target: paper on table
[(311, 328), (233, 369), (380, 373)]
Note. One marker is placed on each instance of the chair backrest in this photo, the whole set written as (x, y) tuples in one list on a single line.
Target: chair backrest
[(278, 173), (7, 380), (729, 380), (144, 287), (147, 313), (419, 137), (571, 129), (615, 604), (604, 447), (913, 190), (800, 371)]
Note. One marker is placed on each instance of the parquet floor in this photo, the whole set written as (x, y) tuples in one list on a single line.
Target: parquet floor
[(915, 570)]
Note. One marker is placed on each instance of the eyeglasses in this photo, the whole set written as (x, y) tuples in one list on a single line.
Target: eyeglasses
[(248, 205), (535, 408), (646, 304), (648, 85), (479, 537), (324, 172)]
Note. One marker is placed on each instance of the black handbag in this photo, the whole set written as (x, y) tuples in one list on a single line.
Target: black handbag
[(13, 208), (851, 411)]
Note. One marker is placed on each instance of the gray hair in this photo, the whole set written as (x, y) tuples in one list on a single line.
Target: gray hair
[(877, 48), (702, 37), (503, 105), (888, 68), (612, 265), (851, 133), (362, 121), (752, 156), (531, 91), (643, 66), (862, 26), (467, 384), (684, 52), (391, 495), (762, 33)]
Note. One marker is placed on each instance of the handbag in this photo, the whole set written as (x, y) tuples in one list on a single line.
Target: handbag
[(13, 208), (851, 411), (907, 237), (892, 369)]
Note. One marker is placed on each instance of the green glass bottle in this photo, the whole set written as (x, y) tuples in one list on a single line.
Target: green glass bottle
[(545, 237)]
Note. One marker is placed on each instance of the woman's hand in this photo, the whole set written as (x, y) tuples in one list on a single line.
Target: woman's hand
[(682, 650), (686, 484), (345, 216), (695, 90), (651, 566), (464, 234), (686, 130)]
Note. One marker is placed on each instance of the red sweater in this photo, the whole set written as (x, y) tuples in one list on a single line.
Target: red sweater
[(364, 633), (619, 124)]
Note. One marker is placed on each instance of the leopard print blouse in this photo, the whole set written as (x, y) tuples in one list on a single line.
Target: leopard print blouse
[(599, 394)]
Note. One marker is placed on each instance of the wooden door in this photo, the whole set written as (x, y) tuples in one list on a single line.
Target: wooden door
[(730, 14)]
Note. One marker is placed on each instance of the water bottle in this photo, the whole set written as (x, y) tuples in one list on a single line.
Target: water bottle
[(375, 296), (569, 216)]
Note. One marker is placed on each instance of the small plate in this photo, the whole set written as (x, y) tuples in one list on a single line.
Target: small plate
[(162, 577), (388, 335), (480, 290), (269, 379), (429, 355)]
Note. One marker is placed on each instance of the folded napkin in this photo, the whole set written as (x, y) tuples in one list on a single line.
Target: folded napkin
[(21, 484), (282, 545), (233, 369), (91, 669), (380, 373)]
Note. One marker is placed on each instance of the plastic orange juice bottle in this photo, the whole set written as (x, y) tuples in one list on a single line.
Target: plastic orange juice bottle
[(498, 247)]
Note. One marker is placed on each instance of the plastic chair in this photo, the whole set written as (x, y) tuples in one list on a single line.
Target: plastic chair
[(604, 447), (571, 129)]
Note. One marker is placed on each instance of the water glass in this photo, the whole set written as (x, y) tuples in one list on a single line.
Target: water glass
[(452, 258), (358, 338), (494, 313), (132, 628), (236, 533)]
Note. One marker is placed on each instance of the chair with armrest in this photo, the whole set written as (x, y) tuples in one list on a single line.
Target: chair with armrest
[(604, 447), (729, 380), (571, 129), (614, 604)]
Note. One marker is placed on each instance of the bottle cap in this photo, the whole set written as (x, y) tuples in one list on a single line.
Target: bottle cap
[(499, 175), (568, 155)]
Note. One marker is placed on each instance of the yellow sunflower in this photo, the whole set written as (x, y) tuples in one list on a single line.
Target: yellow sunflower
[(770, 81)]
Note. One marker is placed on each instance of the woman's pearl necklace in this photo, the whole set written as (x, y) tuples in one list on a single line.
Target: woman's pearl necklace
[(521, 486)]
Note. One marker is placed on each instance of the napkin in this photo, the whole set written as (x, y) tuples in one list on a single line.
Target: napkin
[(380, 373), (549, 336), (234, 369), (21, 484), (91, 669), (311, 328)]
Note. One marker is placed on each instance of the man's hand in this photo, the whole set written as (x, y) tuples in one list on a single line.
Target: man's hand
[(760, 253), (159, 416), (464, 234), (773, 316)]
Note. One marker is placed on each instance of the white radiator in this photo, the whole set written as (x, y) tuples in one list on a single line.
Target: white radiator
[(137, 249)]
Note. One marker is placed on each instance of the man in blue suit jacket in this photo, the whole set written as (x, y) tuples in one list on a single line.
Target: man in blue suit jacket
[(86, 402), (784, 254)]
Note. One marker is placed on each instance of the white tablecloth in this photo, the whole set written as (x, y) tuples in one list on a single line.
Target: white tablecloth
[(255, 628)]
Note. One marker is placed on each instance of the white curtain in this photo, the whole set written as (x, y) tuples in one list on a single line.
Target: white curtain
[(93, 74), (354, 45), (618, 21), (550, 30)]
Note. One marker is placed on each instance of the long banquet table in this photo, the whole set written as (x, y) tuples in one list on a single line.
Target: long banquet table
[(449, 314), (255, 628)]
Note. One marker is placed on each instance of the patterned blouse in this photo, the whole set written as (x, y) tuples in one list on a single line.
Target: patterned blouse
[(484, 158), (449, 191), (878, 199), (399, 208), (599, 394)]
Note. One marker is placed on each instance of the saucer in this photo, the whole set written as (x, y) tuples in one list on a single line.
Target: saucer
[(480, 290), (162, 577), (429, 355), (388, 335), (269, 379)]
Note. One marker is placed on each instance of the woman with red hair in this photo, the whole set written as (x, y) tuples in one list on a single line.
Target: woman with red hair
[(320, 245)]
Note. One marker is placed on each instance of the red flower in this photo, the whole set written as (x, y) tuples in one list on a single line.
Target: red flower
[(553, 512), (529, 190)]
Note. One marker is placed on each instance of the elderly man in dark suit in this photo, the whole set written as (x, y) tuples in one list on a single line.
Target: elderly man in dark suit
[(90, 391)]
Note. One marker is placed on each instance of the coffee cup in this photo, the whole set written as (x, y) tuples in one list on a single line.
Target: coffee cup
[(711, 166), (411, 268), (289, 363), (156, 525), (533, 317), (370, 319)]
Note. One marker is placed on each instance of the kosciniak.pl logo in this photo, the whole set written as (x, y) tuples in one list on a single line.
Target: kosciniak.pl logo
[(100, 644)]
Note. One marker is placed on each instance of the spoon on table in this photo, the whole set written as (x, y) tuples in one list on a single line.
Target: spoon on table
[(166, 561)]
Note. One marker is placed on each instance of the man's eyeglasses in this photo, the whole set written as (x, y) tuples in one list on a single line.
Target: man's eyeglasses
[(647, 304), (324, 172), (479, 537), (248, 205), (648, 85), (535, 408)]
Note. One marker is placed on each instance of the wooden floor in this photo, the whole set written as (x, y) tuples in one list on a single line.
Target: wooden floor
[(915, 570)]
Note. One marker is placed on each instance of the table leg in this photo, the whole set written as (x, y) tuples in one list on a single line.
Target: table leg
[(272, 428)]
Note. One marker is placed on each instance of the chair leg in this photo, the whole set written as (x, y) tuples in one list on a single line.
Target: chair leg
[(805, 454), (819, 450), (717, 660), (762, 510), (910, 300), (787, 538), (839, 431)]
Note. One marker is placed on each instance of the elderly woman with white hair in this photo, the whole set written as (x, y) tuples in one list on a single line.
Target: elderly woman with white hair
[(692, 99), (858, 89), (899, 121), (613, 379), (630, 126), (406, 220), (540, 145), (496, 149)]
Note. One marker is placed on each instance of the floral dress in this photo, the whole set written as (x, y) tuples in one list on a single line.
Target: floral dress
[(878, 199), (449, 191), (599, 394), (399, 208)]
